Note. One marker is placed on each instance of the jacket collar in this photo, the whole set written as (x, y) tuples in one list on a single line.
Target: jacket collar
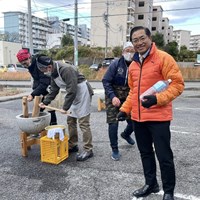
[(150, 51)]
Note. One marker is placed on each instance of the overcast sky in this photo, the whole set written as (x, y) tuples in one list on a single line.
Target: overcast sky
[(182, 14)]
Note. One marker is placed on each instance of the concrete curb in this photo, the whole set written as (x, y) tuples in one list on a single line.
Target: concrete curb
[(13, 97), (26, 85)]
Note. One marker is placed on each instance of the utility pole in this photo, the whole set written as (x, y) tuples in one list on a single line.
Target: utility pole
[(107, 26), (30, 28), (76, 33), (121, 30)]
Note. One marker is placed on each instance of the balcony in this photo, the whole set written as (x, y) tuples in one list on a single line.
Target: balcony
[(130, 20), (131, 6)]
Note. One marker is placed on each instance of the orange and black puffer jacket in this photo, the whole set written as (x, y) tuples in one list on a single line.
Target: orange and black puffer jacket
[(158, 65)]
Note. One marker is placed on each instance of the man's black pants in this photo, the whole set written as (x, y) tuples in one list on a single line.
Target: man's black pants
[(158, 134)]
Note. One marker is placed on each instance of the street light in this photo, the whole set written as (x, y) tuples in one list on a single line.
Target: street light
[(52, 22)]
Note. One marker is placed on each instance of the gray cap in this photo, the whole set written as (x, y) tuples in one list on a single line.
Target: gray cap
[(43, 61)]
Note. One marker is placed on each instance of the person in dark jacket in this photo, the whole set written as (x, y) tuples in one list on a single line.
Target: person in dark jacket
[(40, 81), (115, 82), (77, 101)]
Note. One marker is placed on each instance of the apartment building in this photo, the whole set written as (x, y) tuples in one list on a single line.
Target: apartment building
[(167, 30), (157, 19), (54, 39), (182, 37), (16, 23), (85, 34), (60, 27), (46, 33), (161, 25), (170, 33), (194, 42), (143, 13), (111, 21)]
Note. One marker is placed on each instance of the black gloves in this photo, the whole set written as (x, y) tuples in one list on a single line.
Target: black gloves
[(121, 116), (149, 101)]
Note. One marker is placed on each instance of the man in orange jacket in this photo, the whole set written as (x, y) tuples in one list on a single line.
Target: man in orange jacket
[(152, 116)]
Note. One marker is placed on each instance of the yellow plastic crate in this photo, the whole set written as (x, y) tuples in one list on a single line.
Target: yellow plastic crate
[(53, 150)]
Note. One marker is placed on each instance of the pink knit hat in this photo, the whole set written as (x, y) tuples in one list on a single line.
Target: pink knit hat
[(23, 54)]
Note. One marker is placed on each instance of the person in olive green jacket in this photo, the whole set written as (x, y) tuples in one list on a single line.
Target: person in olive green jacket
[(77, 101)]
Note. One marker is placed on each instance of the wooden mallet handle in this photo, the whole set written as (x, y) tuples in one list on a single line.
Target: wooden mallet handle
[(24, 107), (56, 109), (36, 108)]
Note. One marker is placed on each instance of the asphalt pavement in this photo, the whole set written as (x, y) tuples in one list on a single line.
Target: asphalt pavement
[(99, 178)]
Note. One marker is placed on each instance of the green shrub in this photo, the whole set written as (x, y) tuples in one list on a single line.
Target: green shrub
[(84, 51), (87, 72)]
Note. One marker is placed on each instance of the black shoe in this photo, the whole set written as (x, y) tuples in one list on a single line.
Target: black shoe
[(168, 197), (73, 149), (127, 138), (84, 155), (146, 190)]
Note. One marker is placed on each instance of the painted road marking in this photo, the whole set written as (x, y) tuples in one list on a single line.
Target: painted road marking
[(99, 91), (184, 108), (186, 133)]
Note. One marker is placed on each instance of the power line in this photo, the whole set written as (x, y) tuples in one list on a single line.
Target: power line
[(193, 24), (83, 3), (121, 14), (110, 15)]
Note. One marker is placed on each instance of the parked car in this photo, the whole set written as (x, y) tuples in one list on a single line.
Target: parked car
[(3, 68), (196, 64), (16, 68), (95, 66), (107, 61)]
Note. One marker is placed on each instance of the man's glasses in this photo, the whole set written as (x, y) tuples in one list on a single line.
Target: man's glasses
[(141, 39)]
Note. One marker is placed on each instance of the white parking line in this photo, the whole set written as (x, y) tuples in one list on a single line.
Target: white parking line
[(99, 91), (185, 108), (178, 195), (188, 197), (186, 133)]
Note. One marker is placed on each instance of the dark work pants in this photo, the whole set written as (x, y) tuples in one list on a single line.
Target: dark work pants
[(53, 120), (113, 132), (53, 117), (157, 133)]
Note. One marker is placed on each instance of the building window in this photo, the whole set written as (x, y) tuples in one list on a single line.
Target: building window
[(154, 18), (153, 28), (141, 4), (155, 9), (163, 27), (140, 17)]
